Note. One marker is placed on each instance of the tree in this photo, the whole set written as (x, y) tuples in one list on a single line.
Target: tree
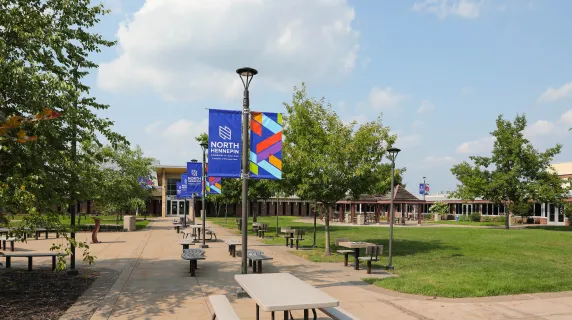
[(44, 54), (521, 209), (439, 208), (325, 159), (120, 188), (515, 172)]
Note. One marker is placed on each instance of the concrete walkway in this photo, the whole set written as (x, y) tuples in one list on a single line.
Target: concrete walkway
[(143, 277)]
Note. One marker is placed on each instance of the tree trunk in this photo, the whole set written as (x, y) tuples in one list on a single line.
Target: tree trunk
[(225, 210), (326, 216), (507, 213), (254, 213)]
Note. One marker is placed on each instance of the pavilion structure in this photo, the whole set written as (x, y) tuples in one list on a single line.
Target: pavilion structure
[(370, 209)]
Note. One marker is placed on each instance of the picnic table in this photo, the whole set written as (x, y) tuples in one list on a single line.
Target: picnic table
[(289, 234), (186, 243), (232, 243), (356, 246), (283, 292)]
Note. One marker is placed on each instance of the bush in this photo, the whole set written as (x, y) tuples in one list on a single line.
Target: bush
[(428, 216), (487, 219), (476, 217), (500, 219), (464, 218)]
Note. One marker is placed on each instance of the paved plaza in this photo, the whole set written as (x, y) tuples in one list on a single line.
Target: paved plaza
[(143, 277)]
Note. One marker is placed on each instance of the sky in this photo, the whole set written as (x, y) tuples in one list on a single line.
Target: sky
[(439, 72)]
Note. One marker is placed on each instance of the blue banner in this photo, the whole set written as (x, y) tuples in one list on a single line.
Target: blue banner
[(225, 143), (178, 190), (184, 190), (194, 177), (424, 186)]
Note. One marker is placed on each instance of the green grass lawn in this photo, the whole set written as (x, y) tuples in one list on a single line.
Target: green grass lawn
[(140, 223), (467, 223), (454, 262)]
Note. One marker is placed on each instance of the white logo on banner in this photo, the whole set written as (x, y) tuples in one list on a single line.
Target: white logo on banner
[(194, 172), (224, 132)]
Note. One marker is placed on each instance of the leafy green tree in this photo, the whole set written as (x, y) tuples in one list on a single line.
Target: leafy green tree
[(325, 159), (521, 209), (439, 208), (515, 172), (120, 188), (568, 212), (44, 54)]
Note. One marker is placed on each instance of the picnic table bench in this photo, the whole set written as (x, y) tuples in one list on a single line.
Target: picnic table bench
[(222, 309), (288, 234), (338, 313), (193, 255), (31, 255), (6, 239)]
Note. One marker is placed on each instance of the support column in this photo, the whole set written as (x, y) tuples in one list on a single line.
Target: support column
[(164, 194), (377, 212), (342, 211), (353, 212), (420, 214)]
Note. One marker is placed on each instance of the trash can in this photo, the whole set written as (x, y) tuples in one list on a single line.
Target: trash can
[(129, 223), (239, 224)]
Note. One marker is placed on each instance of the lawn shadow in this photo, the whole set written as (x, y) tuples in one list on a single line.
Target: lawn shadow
[(551, 228)]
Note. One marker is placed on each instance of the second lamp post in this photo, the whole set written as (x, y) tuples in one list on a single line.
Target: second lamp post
[(204, 145), (391, 154)]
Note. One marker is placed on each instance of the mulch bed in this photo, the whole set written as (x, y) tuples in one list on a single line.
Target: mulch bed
[(40, 294)]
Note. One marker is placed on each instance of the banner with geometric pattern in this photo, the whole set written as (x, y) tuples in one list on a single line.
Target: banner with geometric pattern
[(266, 145), (214, 185)]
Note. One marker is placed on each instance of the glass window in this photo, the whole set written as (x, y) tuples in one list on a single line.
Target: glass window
[(172, 186)]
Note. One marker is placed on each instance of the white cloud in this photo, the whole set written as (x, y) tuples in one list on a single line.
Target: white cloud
[(478, 146), (554, 94), (426, 106), (417, 123), (190, 49), (153, 127), (408, 141), (174, 143), (468, 9), (539, 128), (114, 5), (385, 98), (566, 118), (439, 160)]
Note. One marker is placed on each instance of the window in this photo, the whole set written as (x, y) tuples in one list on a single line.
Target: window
[(172, 187)]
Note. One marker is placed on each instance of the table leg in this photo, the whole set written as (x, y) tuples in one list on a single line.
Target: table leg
[(254, 267), (8, 260), (291, 240), (185, 246), (46, 234), (285, 315), (29, 263), (53, 263), (306, 314), (11, 245), (315, 315), (257, 312), (356, 255), (259, 267), (272, 315)]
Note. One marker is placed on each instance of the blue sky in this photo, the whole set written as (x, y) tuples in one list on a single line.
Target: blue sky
[(440, 71)]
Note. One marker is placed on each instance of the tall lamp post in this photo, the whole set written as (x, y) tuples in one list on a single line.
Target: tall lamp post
[(391, 154), (424, 203), (204, 145), (246, 74), (192, 202), (73, 198)]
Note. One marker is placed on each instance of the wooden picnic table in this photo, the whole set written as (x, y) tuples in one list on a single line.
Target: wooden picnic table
[(283, 292), (356, 246)]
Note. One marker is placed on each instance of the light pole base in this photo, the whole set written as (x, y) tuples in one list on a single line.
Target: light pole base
[(389, 268), (202, 246), (73, 272)]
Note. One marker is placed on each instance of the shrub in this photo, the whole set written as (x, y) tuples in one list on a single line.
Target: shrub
[(476, 217), (500, 219), (487, 219), (428, 216), (464, 218)]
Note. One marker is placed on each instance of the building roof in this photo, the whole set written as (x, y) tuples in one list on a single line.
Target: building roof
[(562, 169)]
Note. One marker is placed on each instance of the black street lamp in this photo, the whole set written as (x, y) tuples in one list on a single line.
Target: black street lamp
[(204, 145), (192, 201), (391, 154), (246, 74)]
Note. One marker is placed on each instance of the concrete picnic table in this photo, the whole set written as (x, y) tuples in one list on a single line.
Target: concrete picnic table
[(232, 243), (283, 292), (291, 231), (356, 245), (186, 243)]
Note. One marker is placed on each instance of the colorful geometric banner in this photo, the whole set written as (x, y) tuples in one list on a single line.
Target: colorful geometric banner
[(266, 145), (225, 142), (146, 182), (194, 177), (178, 190), (214, 185)]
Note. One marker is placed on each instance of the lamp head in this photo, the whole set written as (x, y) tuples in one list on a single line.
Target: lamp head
[(392, 153), (193, 160), (246, 74)]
